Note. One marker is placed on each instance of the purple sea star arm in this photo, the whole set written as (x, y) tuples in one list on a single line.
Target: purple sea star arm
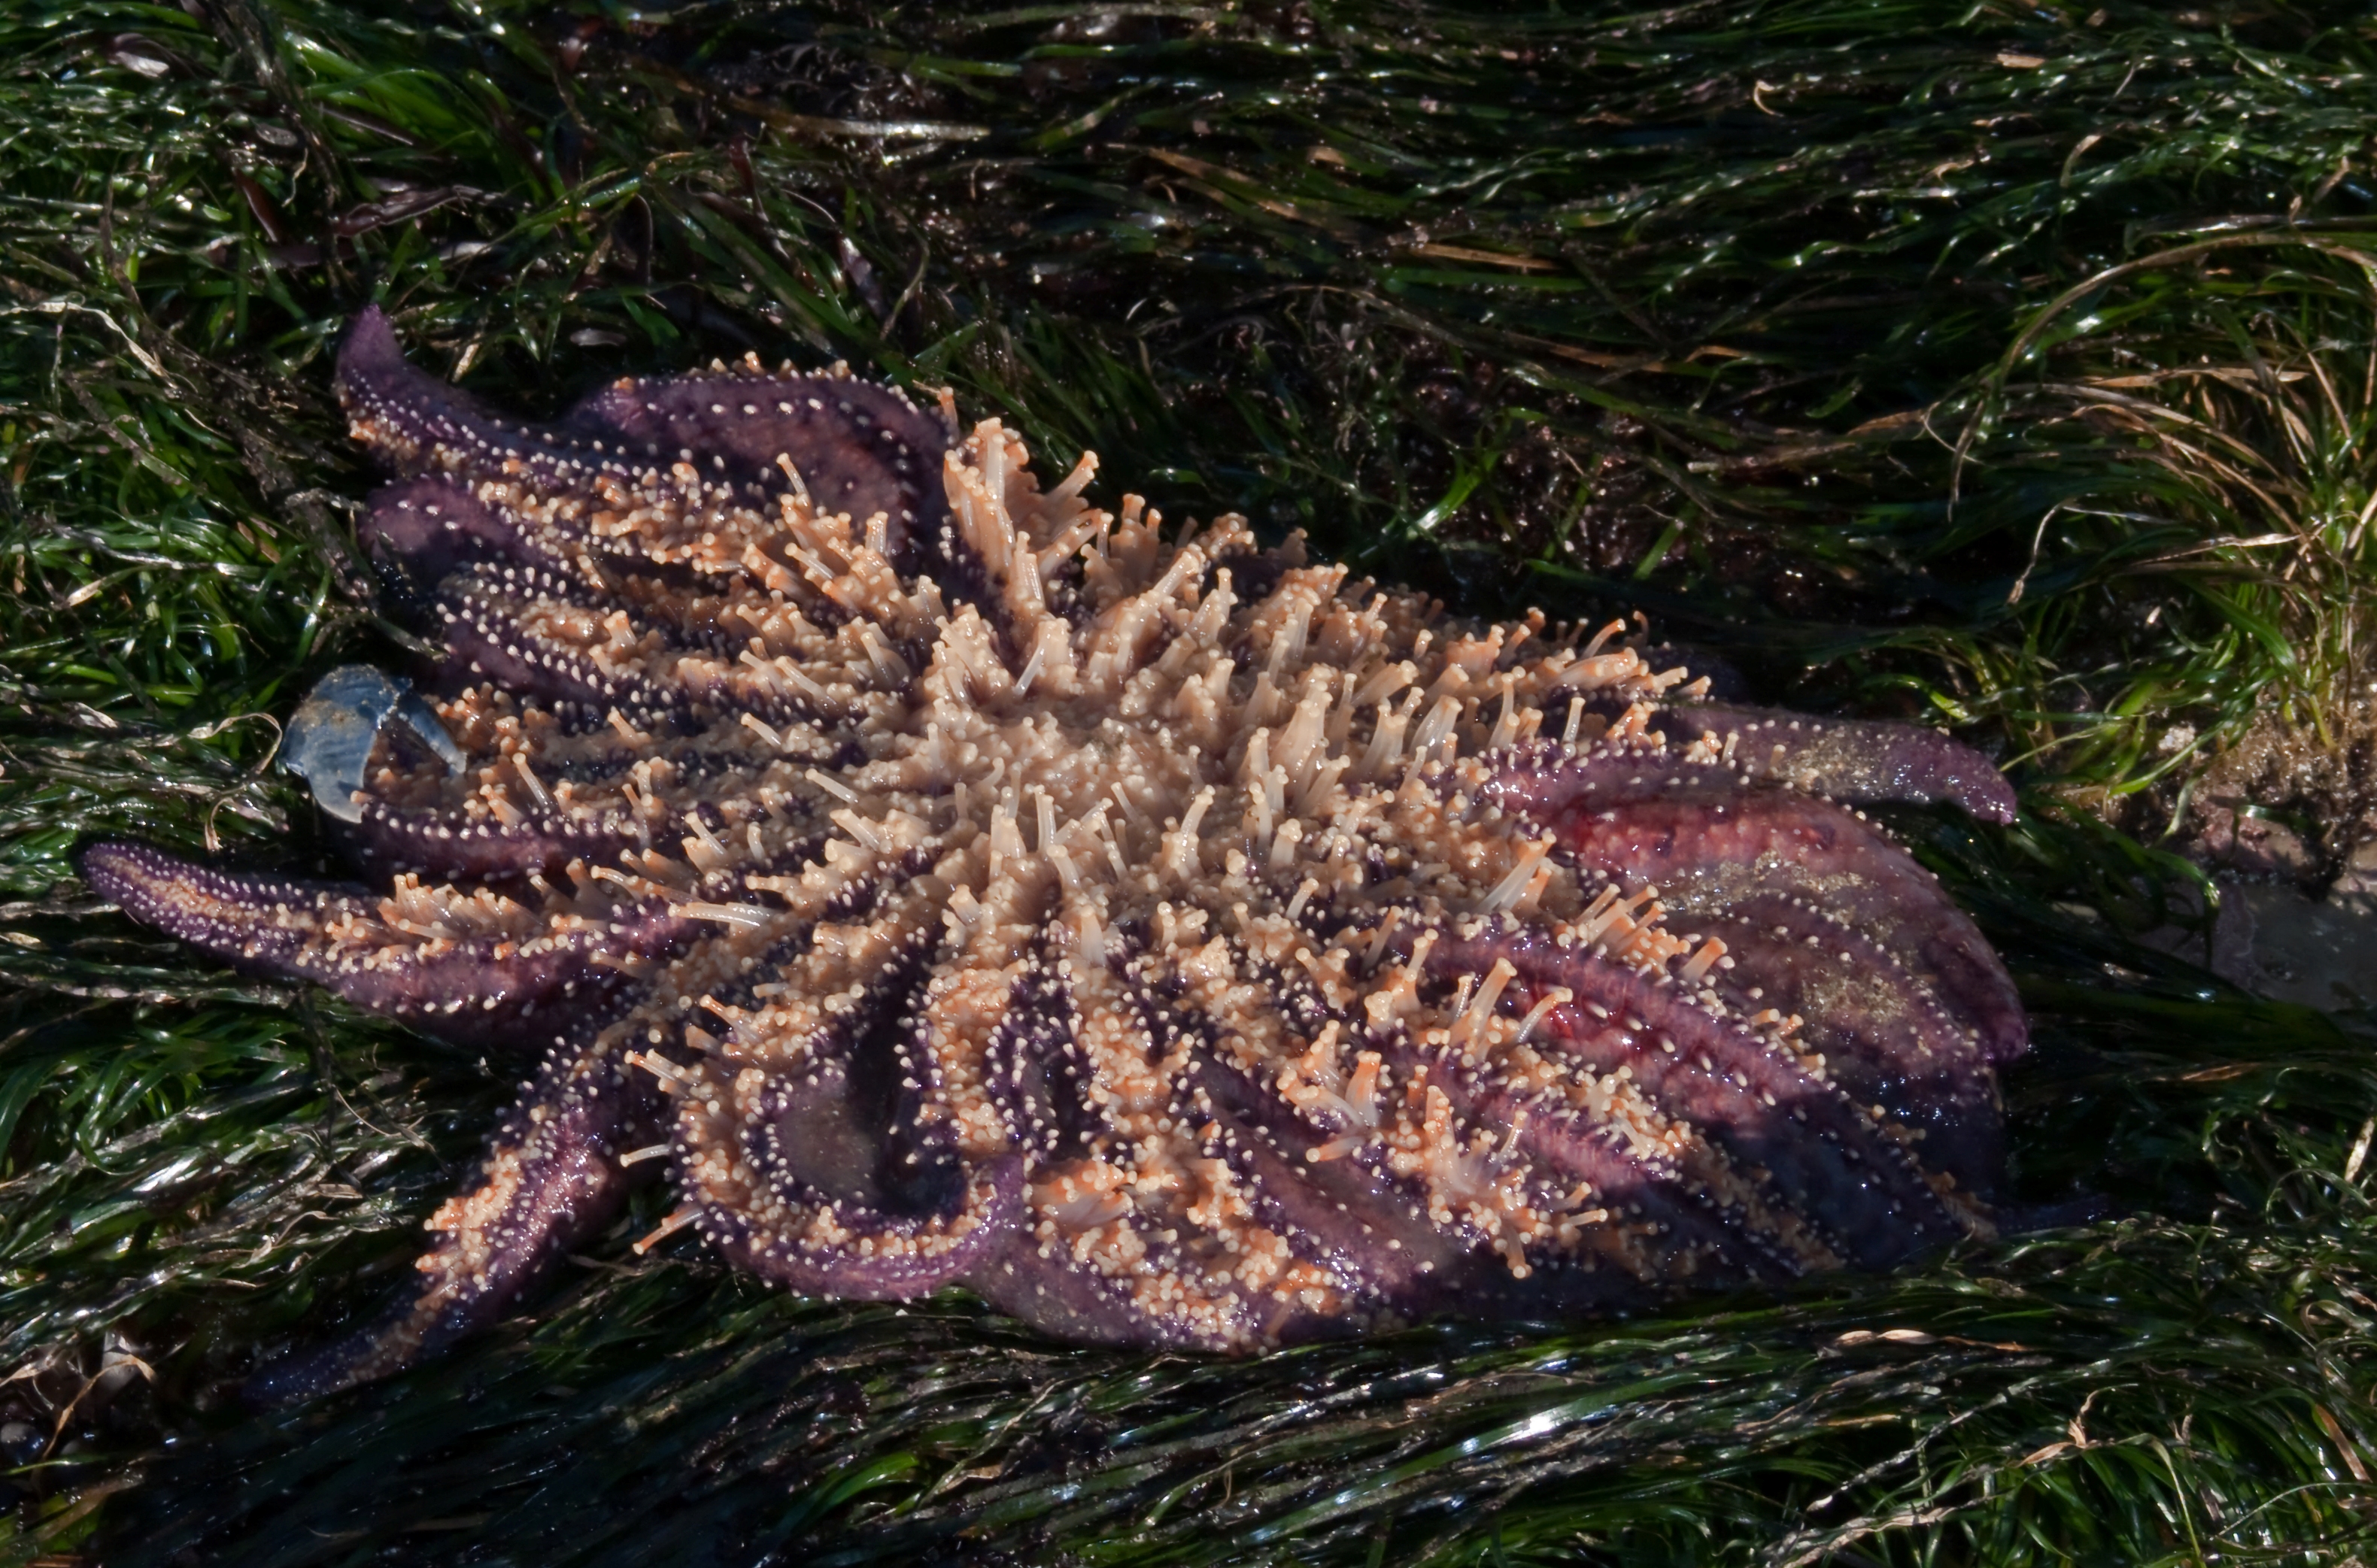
[(1822, 1157), (551, 1178), (801, 1183), (1885, 1037), (1848, 759), (859, 448), (1690, 1235), (1710, 855), (466, 988), (427, 841), (1714, 847), (497, 624), (808, 1151), (1028, 1280), (1034, 1070), (1337, 1211), (1046, 1275), (853, 448), (435, 524)]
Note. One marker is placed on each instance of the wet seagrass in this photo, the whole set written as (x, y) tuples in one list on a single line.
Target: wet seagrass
[(946, 880)]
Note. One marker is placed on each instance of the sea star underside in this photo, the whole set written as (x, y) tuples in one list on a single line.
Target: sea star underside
[(1173, 940)]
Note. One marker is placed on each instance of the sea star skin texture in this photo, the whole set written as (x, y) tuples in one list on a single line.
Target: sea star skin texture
[(1174, 942)]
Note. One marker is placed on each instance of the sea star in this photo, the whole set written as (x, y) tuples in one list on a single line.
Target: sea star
[(1168, 938)]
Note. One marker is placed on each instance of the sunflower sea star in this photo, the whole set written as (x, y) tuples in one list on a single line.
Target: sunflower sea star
[(1168, 938)]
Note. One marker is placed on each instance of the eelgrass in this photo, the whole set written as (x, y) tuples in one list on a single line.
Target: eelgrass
[(2008, 368)]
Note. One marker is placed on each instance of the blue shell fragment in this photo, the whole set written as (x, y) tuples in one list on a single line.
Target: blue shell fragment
[(331, 736)]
